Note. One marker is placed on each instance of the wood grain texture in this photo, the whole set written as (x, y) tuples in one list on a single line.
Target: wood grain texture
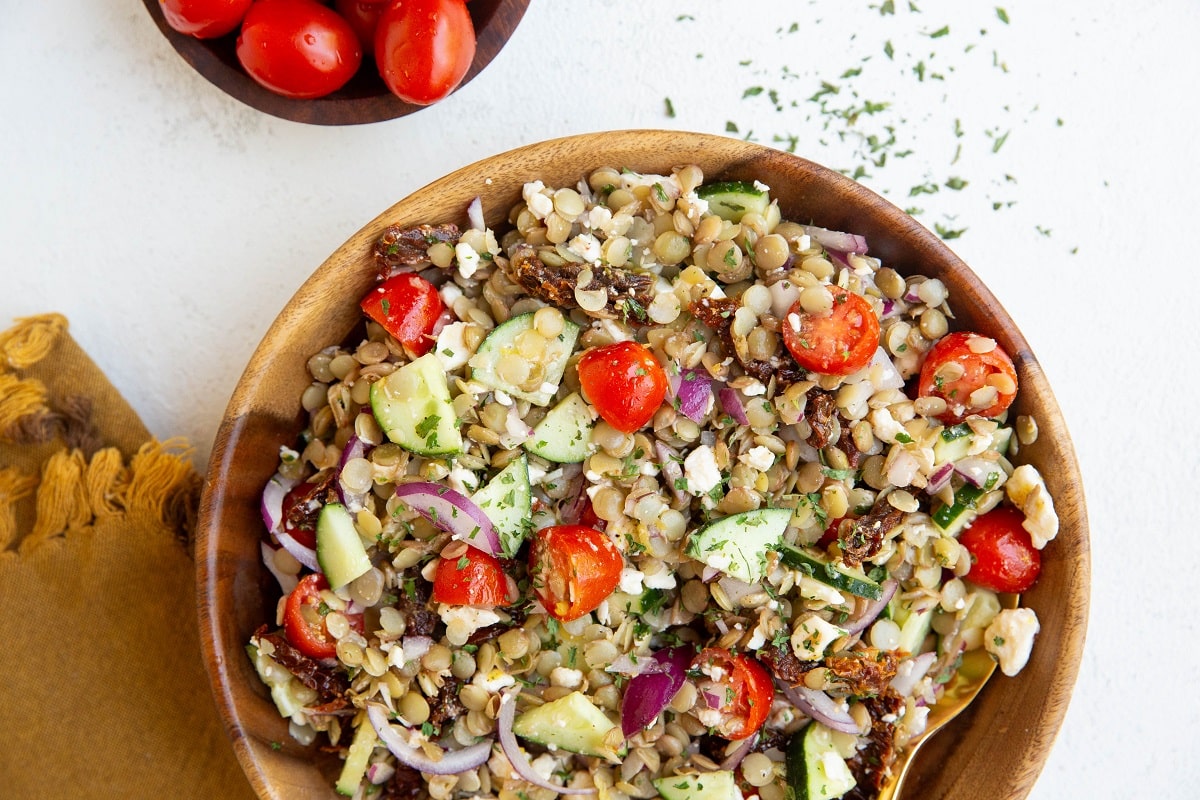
[(995, 750), (364, 99)]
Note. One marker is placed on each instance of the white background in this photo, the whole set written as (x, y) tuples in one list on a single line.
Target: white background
[(170, 224)]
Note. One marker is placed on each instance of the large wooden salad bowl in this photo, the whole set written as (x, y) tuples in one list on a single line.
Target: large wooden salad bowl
[(994, 750)]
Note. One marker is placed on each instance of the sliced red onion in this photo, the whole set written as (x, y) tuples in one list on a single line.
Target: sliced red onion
[(821, 707), (712, 699), (732, 760), (631, 665), (837, 241), (736, 589), (452, 512), (650, 692), (884, 374), (415, 646), (731, 404), (286, 582), (911, 295), (355, 448), (271, 505), (873, 609), (305, 555), (707, 575), (939, 478), (911, 671), (516, 756), (452, 762), (380, 773), (475, 214), (784, 295), (692, 389), (671, 464), (977, 471), (889, 309)]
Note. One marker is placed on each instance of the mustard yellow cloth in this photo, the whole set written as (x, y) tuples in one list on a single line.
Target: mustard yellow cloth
[(104, 692)]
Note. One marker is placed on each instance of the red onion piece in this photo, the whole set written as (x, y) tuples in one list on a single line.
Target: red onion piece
[(731, 404), (821, 707), (286, 582), (650, 692), (911, 671), (305, 555), (693, 393), (889, 309), (631, 665), (355, 448), (709, 573), (475, 214), (976, 471), (380, 773), (733, 759), (837, 241), (271, 505), (671, 464), (873, 609), (452, 763), (939, 478), (516, 756), (414, 647), (452, 512)]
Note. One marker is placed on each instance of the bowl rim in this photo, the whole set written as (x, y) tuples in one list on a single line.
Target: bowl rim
[(1012, 773)]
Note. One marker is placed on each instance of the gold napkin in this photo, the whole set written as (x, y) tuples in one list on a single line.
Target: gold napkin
[(104, 692)]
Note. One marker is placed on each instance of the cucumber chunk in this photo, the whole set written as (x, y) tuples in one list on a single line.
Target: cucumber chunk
[(565, 432), (355, 766), (719, 785), (507, 501), (815, 769), (842, 578), (503, 341), (570, 723), (340, 550), (413, 407), (732, 199), (737, 545)]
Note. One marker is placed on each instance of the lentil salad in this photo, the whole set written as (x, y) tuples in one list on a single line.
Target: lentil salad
[(726, 551)]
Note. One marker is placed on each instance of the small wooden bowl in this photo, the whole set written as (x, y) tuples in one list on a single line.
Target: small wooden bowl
[(364, 99), (995, 749)]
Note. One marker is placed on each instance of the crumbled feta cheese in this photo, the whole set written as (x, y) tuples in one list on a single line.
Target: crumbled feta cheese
[(598, 218), (451, 348), (539, 204), (762, 187), (566, 677), (885, 426), (759, 458), (462, 621), (663, 579), (502, 398), (700, 470), (614, 330), (494, 680), (467, 258), (463, 480), (450, 292), (544, 765), (813, 589), (586, 246), (1010, 638), (754, 389), (1027, 491), (631, 581), (812, 635)]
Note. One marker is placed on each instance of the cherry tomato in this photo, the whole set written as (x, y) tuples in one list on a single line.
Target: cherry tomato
[(204, 19), (835, 342), (303, 622), (363, 16), (734, 692), (424, 48), (408, 307), (1003, 557), (625, 382), (298, 48), (942, 377), (474, 579), (573, 569)]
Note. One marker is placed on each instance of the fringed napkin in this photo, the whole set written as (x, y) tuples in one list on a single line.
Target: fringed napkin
[(104, 692)]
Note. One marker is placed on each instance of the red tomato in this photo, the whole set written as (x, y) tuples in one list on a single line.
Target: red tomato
[(475, 579), (303, 622), (298, 48), (573, 569), (363, 16), (204, 19), (991, 368), (1003, 557), (835, 342), (407, 306), (424, 48), (735, 692), (625, 382)]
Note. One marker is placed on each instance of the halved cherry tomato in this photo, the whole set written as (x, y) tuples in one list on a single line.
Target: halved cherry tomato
[(474, 579), (574, 568), (835, 342), (1003, 557), (298, 48), (424, 48), (625, 382), (962, 363), (363, 16), (407, 306), (734, 692), (304, 623), (204, 19)]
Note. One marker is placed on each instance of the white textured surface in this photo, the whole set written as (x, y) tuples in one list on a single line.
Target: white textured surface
[(170, 224)]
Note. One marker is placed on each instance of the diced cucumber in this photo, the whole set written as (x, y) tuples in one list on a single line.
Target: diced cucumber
[(951, 519), (815, 769), (914, 625), (737, 545), (565, 432), (413, 407), (507, 501), (840, 577), (955, 441), (732, 199), (289, 694), (340, 550), (355, 766), (503, 341), (570, 723), (719, 785)]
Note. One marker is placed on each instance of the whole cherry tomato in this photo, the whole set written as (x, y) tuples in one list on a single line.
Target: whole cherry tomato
[(298, 48), (363, 16), (625, 382), (407, 306), (839, 341), (734, 692), (474, 579), (423, 48), (574, 568), (304, 621), (1003, 557), (204, 19), (962, 363)]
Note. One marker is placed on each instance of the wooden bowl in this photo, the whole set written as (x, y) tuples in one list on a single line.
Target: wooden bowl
[(364, 99), (995, 750)]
